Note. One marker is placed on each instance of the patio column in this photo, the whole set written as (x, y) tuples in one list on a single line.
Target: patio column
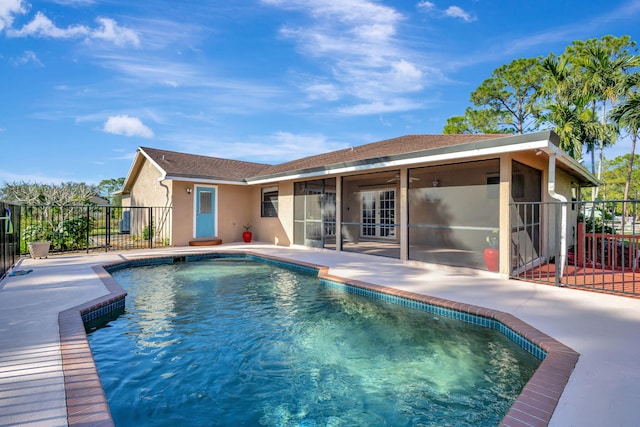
[(338, 213), (404, 215), (504, 216)]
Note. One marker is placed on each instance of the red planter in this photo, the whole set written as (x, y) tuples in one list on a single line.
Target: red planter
[(492, 259), (246, 236)]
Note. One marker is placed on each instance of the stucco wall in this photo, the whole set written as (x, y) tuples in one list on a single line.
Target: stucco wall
[(147, 191), (182, 231), (273, 230), (234, 211)]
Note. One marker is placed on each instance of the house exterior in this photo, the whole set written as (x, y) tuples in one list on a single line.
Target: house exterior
[(429, 198)]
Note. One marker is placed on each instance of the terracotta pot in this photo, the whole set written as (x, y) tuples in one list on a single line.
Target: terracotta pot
[(246, 236), (492, 259)]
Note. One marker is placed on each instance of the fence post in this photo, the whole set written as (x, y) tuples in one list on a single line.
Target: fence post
[(107, 233), (151, 231), (580, 256), (88, 231)]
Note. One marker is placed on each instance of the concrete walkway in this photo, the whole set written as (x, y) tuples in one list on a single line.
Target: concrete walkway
[(604, 389)]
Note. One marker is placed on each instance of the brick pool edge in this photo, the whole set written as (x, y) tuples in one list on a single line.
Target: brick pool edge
[(87, 404)]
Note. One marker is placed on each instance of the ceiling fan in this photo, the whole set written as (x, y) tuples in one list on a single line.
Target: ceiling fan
[(396, 178)]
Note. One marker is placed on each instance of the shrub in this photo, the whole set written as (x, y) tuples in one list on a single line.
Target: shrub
[(147, 232)]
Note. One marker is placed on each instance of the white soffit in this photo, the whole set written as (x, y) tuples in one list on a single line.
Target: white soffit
[(201, 181), (501, 149)]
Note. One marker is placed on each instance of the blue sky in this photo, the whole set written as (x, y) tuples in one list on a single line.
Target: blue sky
[(83, 83)]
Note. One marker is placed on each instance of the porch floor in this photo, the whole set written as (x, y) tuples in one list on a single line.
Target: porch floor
[(589, 278)]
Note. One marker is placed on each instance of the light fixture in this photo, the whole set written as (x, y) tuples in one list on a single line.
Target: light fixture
[(189, 190), (436, 182)]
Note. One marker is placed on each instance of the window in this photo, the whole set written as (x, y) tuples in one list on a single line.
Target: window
[(205, 202), (269, 202)]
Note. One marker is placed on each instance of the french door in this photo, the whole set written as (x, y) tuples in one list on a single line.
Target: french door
[(378, 213)]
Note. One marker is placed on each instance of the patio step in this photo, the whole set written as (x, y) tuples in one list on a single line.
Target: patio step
[(205, 241)]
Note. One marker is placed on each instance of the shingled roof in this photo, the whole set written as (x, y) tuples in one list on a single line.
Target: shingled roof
[(184, 165), (376, 150)]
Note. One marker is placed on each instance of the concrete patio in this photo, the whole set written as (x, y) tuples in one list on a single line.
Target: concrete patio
[(604, 389)]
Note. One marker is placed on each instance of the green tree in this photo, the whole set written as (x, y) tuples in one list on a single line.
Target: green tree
[(614, 177), (573, 123), (627, 117), (570, 93), (485, 121), (107, 188), (563, 107), (602, 65), (511, 90)]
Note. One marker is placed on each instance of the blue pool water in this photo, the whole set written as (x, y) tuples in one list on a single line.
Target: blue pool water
[(230, 342)]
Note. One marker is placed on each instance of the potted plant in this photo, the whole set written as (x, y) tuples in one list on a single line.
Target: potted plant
[(247, 235), (492, 253), (38, 240)]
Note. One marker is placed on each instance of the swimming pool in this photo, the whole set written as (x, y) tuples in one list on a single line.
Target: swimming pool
[(235, 341)]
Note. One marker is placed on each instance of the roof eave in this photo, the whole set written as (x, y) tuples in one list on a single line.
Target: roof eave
[(137, 163), (494, 146), (204, 180)]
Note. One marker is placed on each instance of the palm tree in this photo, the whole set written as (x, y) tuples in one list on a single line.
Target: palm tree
[(566, 109), (627, 116), (574, 123), (604, 70)]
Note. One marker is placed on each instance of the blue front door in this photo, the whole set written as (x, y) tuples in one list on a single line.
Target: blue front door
[(205, 211)]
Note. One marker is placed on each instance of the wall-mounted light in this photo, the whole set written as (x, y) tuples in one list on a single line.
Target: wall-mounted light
[(189, 190), (436, 182)]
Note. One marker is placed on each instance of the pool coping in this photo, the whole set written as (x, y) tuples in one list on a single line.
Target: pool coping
[(87, 404)]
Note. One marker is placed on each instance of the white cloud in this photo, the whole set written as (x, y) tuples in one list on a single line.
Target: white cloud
[(450, 12), (107, 30), (280, 147), (406, 76), (8, 9), (128, 126), (357, 43), (41, 26), (345, 11), (458, 12), (272, 149), (380, 107), (425, 6), (322, 91), (74, 2), (28, 56)]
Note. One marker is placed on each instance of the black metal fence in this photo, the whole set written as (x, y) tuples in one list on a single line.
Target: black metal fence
[(598, 248), (89, 228), (9, 236), (83, 228)]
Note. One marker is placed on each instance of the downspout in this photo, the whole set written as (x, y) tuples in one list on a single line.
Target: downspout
[(563, 219), (168, 206)]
